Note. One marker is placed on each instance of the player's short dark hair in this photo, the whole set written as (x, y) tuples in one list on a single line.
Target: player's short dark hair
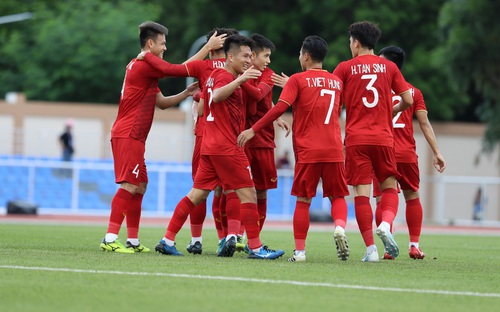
[(316, 46), (222, 30), (235, 42), (150, 30), (261, 42), (367, 33), (394, 54)]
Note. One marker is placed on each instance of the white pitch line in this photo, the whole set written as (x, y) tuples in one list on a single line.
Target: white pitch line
[(263, 281)]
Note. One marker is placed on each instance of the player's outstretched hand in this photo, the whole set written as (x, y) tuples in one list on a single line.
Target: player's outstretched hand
[(192, 88), (245, 136), (141, 55), (216, 42), (279, 80), (251, 73), (283, 125), (439, 163)]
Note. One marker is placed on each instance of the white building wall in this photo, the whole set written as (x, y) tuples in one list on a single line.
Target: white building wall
[(171, 139)]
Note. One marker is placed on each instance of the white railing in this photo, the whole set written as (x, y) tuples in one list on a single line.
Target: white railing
[(454, 199), (164, 191), (449, 199)]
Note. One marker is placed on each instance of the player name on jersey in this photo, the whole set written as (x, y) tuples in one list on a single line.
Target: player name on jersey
[(218, 63), (321, 82), (367, 68), (210, 82)]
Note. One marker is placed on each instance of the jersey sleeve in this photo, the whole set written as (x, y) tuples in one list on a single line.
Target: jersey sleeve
[(290, 91), (256, 93), (270, 116), (418, 100), (163, 68), (195, 68), (338, 71)]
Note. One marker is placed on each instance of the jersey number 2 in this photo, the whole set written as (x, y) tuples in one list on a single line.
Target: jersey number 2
[(396, 99), (211, 94)]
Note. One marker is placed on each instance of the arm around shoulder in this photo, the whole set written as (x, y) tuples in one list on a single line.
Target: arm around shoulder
[(165, 68)]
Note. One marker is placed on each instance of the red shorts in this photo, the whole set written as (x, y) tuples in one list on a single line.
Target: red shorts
[(363, 160), (128, 157), (410, 178), (306, 179), (230, 171), (196, 155), (263, 167)]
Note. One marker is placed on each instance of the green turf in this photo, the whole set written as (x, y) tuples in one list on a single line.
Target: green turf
[(456, 271)]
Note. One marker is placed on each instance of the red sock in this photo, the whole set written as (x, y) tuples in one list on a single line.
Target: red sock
[(197, 217), (179, 217), (242, 229), (216, 214), (414, 218), (262, 208), (134, 215), (378, 214), (364, 216), (223, 214), (250, 216), (301, 224), (339, 211), (119, 205), (389, 204), (233, 213)]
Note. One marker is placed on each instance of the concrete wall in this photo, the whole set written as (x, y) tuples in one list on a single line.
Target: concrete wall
[(32, 128)]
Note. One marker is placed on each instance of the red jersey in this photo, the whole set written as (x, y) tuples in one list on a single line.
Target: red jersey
[(404, 142), (265, 137), (201, 70), (138, 97), (223, 120), (368, 81), (315, 99)]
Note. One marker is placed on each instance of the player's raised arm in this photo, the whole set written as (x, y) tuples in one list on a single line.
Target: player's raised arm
[(224, 92), (164, 102), (214, 43)]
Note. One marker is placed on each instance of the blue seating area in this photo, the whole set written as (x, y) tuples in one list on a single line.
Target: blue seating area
[(14, 181), (51, 187), (44, 182)]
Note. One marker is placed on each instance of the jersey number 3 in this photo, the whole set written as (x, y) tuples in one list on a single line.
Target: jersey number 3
[(370, 87)]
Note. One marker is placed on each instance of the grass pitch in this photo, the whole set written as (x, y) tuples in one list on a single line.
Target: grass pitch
[(60, 268)]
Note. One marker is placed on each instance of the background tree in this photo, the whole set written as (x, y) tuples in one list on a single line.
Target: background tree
[(470, 56), (411, 25), (77, 50), (74, 50)]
